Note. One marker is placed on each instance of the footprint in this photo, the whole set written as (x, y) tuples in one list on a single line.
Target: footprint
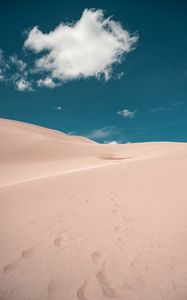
[(120, 242), (107, 290), (117, 228), (6, 295), (27, 253), (112, 290), (57, 241), (81, 291), (96, 257), (51, 290), (10, 267)]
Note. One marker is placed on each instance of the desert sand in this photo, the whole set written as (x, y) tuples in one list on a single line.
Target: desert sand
[(85, 221)]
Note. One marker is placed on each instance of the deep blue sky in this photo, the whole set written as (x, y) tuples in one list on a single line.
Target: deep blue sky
[(154, 84)]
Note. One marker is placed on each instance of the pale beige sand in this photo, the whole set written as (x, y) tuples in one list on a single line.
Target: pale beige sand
[(83, 221)]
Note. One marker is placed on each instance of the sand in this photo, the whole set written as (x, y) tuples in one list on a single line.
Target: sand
[(84, 221)]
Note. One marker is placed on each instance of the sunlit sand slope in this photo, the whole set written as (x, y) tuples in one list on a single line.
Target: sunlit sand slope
[(83, 221)]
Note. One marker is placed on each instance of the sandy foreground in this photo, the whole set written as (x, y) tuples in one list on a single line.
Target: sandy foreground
[(84, 221)]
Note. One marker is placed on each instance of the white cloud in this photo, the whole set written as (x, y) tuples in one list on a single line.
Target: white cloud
[(19, 76), (125, 113), (47, 82), (23, 85), (87, 48), (58, 107), (103, 132), (71, 132), (111, 142)]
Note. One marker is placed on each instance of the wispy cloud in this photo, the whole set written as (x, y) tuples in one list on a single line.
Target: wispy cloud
[(1, 75), (125, 113), (15, 71), (169, 107), (3, 66), (119, 75), (156, 109), (102, 133), (18, 63)]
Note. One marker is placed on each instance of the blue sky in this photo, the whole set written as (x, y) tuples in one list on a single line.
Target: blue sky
[(121, 79)]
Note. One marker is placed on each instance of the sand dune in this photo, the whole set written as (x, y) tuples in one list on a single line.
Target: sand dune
[(84, 221)]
